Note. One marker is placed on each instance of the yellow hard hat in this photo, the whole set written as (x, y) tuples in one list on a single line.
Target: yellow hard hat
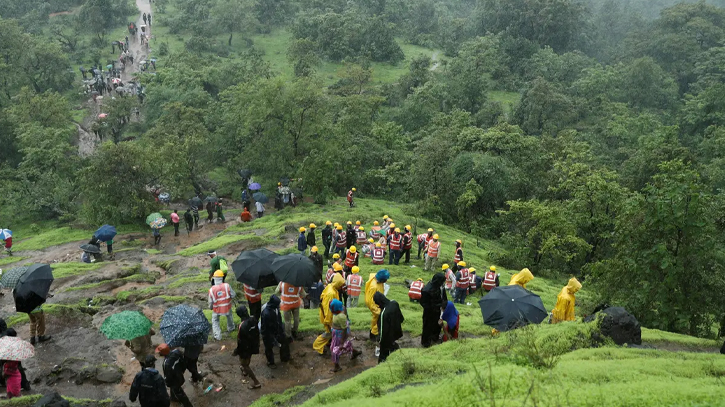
[(354, 189), (397, 230), (302, 229), (349, 223), (385, 217), (328, 223), (376, 223), (445, 267), (472, 270), (492, 268), (218, 273), (357, 222), (314, 249), (377, 245), (312, 226), (435, 236), (336, 266), (407, 227), (430, 229), (371, 240), (361, 228), (339, 227), (279, 184), (392, 225), (353, 249), (461, 264), (336, 256), (355, 269), (420, 279), (390, 220), (459, 241), (337, 224)]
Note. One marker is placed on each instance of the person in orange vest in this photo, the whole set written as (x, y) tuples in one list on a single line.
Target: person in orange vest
[(462, 282), (352, 258), (432, 255), (290, 303), (341, 240), (378, 254), (357, 225), (350, 198), (450, 284), (220, 302), (423, 240), (407, 243), (395, 241), (375, 230), (416, 289), (361, 237), (474, 281), (336, 268), (354, 283), (491, 279), (458, 255), (254, 300)]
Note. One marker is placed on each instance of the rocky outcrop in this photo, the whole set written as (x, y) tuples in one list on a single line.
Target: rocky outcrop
[(619, 325), (52, 400)]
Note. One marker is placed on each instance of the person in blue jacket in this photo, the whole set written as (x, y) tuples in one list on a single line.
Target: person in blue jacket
[(302, 242)]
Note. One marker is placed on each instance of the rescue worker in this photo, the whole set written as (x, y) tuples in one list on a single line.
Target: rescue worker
[(423, 241), (564, 309), (350, 198), (458, 256), (316, 259), (217, 263), (375, 284), (254, 300), (220, 302), (395, 242), (415, 290), (375, 230), (247, 344), (432, 255), (360, 236), (336, 269), (149, 387), (352, 258), (302, 242), (331, 292), (273, 332), (389, 324), (341, 242), (350, 234), (311, 240), (407, 243), (378, 254), (462, 282), (174, 367), (450, 284), (354, 282), (521, 278), (291, 301), (491, 279), (327, 238), (474, 281), (357, 225), (367, 249), (432, 299)]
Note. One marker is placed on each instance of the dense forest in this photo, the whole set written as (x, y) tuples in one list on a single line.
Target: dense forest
[(609, 166)]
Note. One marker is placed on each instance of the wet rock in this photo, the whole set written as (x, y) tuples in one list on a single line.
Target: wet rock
[(118, 403), (618, 324), (52, 400), (109, 375), (156, 301)]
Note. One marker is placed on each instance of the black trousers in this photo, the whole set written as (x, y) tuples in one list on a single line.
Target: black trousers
[(255, 308), (176, 229), (189, 227), (406, 252), (431, 329), (191, 366), (386, 350), (284, 352), (177, 394), (327, 249), (420, 248)]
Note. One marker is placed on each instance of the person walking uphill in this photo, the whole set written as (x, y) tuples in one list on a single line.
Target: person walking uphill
[(331, 292), (254, 299), (141, 346), (217, 263), (37, 325), (354, 282), (521, 278), (189, 220), (302, 242), (209, 212), (432, 299), (291, 302), (375, 284), (247, 344), (564, 309), (273, 332), (220, 302), (174, 366), (175, 221), (149, 387), (390, 325), (341, 336)]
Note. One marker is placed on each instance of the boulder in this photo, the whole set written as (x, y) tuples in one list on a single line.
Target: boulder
[(52, 400), (109, 374), (618, 324)]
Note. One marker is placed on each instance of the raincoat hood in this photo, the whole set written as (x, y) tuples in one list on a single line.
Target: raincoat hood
[(380, 299), (273, 302), (438, 280), (242, 312), (336, 306), (521, 278), (573, 286), (338, 281)]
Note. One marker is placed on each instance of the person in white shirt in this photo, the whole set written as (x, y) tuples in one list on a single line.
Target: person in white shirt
[(260, 209)]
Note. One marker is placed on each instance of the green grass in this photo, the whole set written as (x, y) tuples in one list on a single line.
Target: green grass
[(61, 270), (11, 259), (201, 277), (507, 99), (656, 337), (221, 241), (143, 277), (123, 295), (274, 400)]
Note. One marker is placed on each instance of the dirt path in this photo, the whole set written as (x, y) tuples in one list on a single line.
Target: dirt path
[(138, 51), (436, 63)]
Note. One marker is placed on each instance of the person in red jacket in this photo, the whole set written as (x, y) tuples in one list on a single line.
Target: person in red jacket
[(395, 241), (416, 290), (378, 254)]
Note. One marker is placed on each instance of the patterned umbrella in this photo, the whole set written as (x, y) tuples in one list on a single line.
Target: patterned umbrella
[(15, 349), (126, 325), (153, 217), (5, 233), (158, 223), (11, 277), (184, 325)]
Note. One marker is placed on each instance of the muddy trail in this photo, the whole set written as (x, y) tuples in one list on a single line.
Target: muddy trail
[(80, 362)]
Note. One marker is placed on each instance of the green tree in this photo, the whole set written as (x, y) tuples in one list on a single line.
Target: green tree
[(303, 57), (234, 16)]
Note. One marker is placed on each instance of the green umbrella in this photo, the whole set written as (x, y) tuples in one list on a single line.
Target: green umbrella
[(11, 277), (126, 325), (153, 217)]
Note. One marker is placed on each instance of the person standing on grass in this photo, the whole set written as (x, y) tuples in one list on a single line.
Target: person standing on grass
[(354, 283), (432, 299), (302, 241), (390, 325), (247, 344), (260, 209), (175, 221), (311, 239), (375, 284), (316, 259), (327, 238), (189, 220)]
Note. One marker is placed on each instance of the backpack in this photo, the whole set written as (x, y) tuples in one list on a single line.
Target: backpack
[(223, 266)]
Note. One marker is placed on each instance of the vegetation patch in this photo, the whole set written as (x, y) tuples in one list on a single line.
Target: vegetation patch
[(62, 270)]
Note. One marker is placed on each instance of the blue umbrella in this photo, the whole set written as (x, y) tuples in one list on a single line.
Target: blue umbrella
[(184, 325), (254, 186), (105, 233), (260, 197), (5, 233)]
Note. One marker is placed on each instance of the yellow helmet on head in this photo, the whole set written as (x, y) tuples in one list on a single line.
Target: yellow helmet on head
[(357, 222), (459, 241), (371, 240), (336, 266), (302, 229), (392, 225), (328, 223), (492, 268), (219, 274), (390, 220), (279, 184), (461, 264), (420, 279), (354, 189), (349, 222), (361, 228), (385, 217), (377, 245), (314, 249), (312, 226), (376, 223), (355, 269), (472, 270), (435, 237), (339, 227), (336, 256), (407, 227), (430, 230), (353, 249), (445, 267), (397, 230)]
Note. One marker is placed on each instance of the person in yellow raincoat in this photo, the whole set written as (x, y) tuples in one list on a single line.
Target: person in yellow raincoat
[(564, 309), (331, 292), (376, 283), (522, 278)]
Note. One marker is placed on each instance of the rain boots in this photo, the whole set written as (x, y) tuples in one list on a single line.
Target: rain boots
[(41, 338)]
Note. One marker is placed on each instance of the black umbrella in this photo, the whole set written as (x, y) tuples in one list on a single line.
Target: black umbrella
[(195, 201), (245, 173), (210, 198), (509, 307), (32, 288), (284, 181), (90, 248), (260, 197), (254, 268), (295, 269), (184, 325)]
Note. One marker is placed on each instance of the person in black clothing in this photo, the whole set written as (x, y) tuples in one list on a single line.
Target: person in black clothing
[(174, 367), (144, 18), (311, 241), (149, 18), (191, 358), (195, 211), (189, 220), (149, 387), (722, 350), (432, 298), (273, 332), (327, 238), (247, 344), (316, 258), (390, 325), (351, 234), (209, 212)]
